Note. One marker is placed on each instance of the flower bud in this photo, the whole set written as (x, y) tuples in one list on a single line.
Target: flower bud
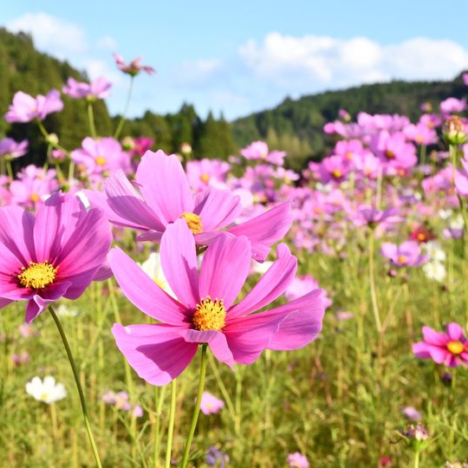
[(454, 130)]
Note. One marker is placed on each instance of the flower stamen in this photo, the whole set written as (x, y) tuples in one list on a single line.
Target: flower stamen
[(209, 315), (194, 222), (37, 275)]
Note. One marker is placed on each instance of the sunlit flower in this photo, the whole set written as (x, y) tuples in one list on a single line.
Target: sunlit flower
[(47, 390), (297, 460), (210, 404), (25, 108), (134, 67)]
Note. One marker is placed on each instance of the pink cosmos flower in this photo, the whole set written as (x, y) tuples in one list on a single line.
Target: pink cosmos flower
[(367, 215), (368, 165), (210, 404), (205, 311), (421, 134), (258, 150), (25, 108), (465, 78), (103, 155), (407, 254), (166, 197), (297, 460), (448, 348), (12, 149), (452, 104), (54, 254), (207, 173), (394, 150), (333, 168), (134, 67), (97, 89), (33, 186)]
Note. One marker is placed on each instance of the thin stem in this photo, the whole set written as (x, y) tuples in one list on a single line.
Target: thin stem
[(158, 403), (78, 386), (375, 307), (196, 411), (92, 127), (416, 459), (127, 104), (170, 429), (9, 169)]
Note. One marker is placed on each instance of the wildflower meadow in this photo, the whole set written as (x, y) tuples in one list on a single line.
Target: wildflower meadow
[(165, 310)]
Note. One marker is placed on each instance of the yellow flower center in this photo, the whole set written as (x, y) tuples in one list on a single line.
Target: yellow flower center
[(421, 236), (389, 154), (205, 178), (401, 259), (349, 155), (336, 173), (37, 275), (100, 161), (419, 139), (209, 315), (44, 396), (34, 197), (455, 347), (194, 222)]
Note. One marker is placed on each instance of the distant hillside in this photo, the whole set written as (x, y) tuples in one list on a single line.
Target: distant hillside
[(296, 125)]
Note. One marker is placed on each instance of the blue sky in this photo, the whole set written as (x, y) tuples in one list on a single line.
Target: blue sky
[(244, 56)]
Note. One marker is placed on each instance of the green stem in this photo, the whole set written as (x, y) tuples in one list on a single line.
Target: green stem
[(375, 307), (158, 403), (127, 104), (78, 386), (196, 411), (9, 169), (92, 127), (416, 459), (170, 429)]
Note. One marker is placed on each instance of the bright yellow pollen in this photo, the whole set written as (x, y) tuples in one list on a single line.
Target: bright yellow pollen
[(402, 259), (209, 315), (349, 155), (205, 178), (337, 173), (100, 161), (455, 347), (421, 236), (34, 197), (390, 154), (194, 222), (37, 275), (44, 396)]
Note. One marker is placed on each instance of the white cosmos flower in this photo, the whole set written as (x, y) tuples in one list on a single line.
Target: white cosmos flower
[(456, 222), (47, 390), (63, 310), (152, 267), (435, 270), (435, 251)]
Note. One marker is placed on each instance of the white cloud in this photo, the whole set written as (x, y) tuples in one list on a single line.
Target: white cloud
[(107, 43), (51, 34), (310, 63)]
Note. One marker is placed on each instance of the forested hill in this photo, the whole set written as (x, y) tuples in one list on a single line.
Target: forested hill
[(296, 125)]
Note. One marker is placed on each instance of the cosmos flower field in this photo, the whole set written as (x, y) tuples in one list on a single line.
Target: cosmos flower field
[(161, 310)]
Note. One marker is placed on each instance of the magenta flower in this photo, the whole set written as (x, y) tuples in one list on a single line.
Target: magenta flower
[(134, 67), (333, 168), (11, 149), (25, 108), (207, 173), (210, 404), (420, 134), (166, 197), (301, 285), (367, 215), (55, 254), (408, 254), (297, 460), (205, 311), (452, 104), (448, 348), (33, 186), (97, 89), (394, 150), (103, 155), (258, 151)]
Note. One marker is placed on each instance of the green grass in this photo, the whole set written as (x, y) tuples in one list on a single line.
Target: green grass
[(338, 400)]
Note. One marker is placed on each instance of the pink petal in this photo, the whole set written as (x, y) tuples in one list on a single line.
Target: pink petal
[(272, 284), (127, 204), (164, 185), (455, 332), (434, 338), (421, 351), (266, 229), (225, 268), (301, 325), (217, 208), (179, 263), (157, 353), (249, 336), (16, 228), (215, 340), (143, 292)]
